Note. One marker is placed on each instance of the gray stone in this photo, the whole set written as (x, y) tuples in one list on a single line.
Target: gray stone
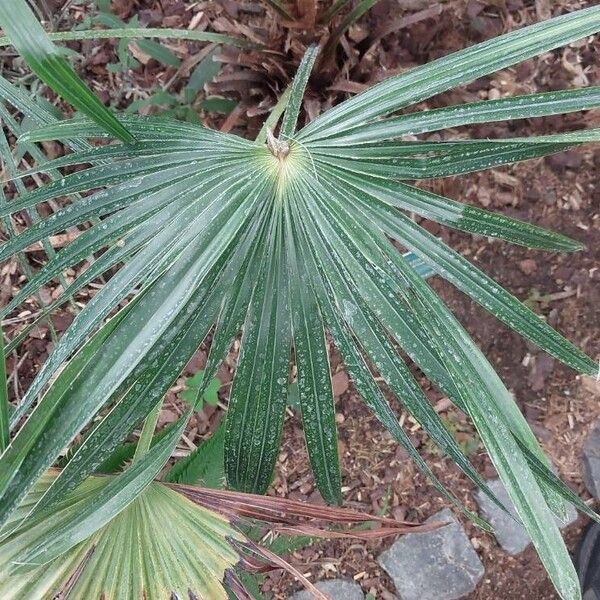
[(591, 462), (336, 589), (436, 565), (511, 535)]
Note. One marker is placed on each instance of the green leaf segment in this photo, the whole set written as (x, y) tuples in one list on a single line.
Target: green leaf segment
[(32, 43), (291, 242)]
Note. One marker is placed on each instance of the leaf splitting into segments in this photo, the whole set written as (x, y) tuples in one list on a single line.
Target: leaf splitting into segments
[(156, 372), (473, 282), (358, 369), (455, 214), (523, 489), (125, 196), (152, 211), (150, 549), (314, 373), (369, 331), (234, 271), (11, 474), (234, 308), (366, 325), (207, 233), (131, 174), (161, 368), (381, 291), (146, 265), (447, 72), (44, 58), (556, 550), (454, 163), (120, 252), (187, 273), (105, 505), (259, 392), (236, 300), (519, 426), (486, 111), (496, 388)]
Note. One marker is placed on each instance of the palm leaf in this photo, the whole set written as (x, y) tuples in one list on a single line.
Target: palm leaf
[(166, 541), (503, 109), (287, 243), (455, 69)]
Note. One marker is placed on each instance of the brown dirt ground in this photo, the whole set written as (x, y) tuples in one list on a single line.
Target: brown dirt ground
[(561, 192)]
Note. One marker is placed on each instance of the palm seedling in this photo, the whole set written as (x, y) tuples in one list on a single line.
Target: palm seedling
[(286, 238)]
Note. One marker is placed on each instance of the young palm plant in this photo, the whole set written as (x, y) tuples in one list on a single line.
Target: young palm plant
[(286, 238)]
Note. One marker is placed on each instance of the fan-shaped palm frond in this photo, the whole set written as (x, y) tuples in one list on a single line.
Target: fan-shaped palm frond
[(287, 242), (169, 541), (159, 546)]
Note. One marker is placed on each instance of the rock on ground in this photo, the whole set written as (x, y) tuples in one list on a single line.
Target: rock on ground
[(336, 589), (436, 565), (511, 535)]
